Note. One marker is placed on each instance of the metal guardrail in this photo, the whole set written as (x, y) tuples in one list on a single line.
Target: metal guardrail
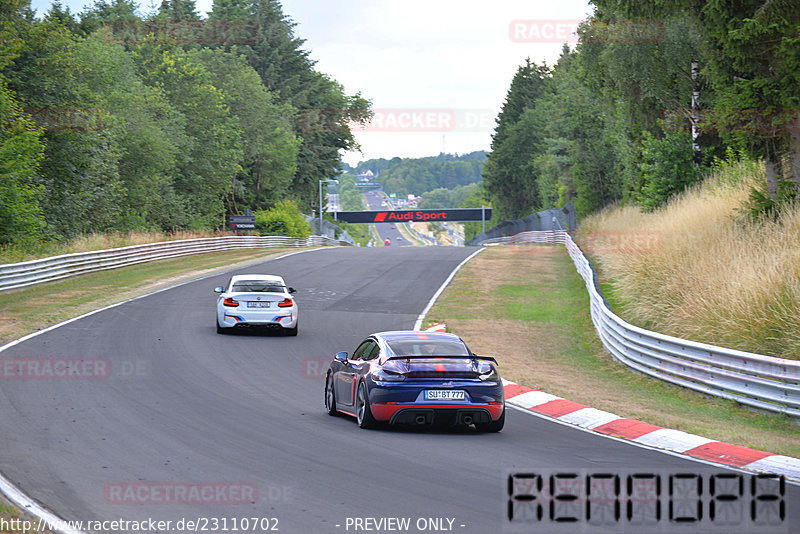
[(759, 381), (28, 273)]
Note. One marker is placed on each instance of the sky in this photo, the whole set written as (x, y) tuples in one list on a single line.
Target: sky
[(436, 71)]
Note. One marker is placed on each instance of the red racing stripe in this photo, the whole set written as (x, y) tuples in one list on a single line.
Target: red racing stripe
[(557, 408), (626, 428), (422, 335), (728, 454)]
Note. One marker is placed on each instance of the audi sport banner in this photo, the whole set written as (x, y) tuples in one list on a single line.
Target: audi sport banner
[(462, 214)]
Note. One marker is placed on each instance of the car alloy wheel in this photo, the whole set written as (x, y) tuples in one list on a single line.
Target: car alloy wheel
[(330, 396), (363, 412)]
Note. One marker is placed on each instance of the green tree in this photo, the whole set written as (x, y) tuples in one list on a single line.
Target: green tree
[(148, 132), (269, 146), (325, 112), (103, 12), (754, 67), (667, 168), (178, 10), (81, 186), (509, 174), (209, 160), (284, 219), (20, 152)]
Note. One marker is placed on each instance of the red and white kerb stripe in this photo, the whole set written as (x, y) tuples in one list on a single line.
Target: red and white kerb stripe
[(654, 436)]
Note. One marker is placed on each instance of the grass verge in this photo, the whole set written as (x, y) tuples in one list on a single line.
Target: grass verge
[(528, 307), (702, 268), (27, 310), (13, 520)]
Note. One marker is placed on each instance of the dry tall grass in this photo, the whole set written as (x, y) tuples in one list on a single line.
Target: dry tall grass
[(85, 243), (715, 276)]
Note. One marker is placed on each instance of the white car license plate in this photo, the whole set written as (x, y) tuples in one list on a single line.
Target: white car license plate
[(258, 304), (445, 394)]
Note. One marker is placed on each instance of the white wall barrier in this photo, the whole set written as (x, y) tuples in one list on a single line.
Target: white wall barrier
[(762, 382), (28, 273)]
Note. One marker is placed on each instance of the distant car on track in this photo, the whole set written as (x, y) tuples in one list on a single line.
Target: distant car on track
[(416, 378), (256, 300), (387, 243)]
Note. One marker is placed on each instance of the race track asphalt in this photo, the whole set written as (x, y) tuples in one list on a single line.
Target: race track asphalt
[(185, 407)]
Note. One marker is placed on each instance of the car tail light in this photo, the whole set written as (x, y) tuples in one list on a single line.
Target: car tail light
[(285, 303), (230, 302)]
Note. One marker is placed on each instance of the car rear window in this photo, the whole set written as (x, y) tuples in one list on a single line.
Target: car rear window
[(256, 286), (428, 348)]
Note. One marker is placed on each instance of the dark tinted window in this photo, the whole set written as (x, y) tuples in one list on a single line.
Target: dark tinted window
[(365, 348), (258, 286), (428, 348), (373, 352)]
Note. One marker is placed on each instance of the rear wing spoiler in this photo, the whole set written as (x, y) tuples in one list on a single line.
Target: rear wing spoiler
[(439, 357)]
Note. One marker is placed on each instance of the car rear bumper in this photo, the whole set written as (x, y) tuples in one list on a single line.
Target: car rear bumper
[(421, 414), (245, 320), (404, 402)]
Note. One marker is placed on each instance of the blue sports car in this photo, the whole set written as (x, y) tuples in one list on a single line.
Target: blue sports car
[(416, 378)]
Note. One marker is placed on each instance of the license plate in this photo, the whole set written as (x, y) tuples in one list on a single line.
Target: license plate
[(258, 304), (445, 394)]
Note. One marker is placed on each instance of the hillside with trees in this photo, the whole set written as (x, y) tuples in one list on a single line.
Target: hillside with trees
[(655, 92), (403, 176), (115, 122)]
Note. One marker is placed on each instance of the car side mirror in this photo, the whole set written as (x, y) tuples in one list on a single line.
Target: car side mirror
[(291, 290), (340, 357), (219, 289)]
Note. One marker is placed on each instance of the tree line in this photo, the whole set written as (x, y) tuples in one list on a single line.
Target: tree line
[(402, 176), (113, 121), (654, 93)]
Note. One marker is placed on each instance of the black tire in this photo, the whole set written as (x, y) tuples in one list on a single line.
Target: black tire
[(291, 331), (330, 397), (494, 426), (220, 330), (363, 411)]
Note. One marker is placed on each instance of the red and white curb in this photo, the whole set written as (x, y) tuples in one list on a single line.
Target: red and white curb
[(649, 435)]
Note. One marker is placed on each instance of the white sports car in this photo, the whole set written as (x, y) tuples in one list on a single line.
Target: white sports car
[(256, 300)]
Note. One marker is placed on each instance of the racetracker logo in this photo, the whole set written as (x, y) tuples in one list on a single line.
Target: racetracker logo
[(67, 120), (400, 120), (203, 32), (566, 31), (54, 368), (180, 493), (752, 121), (630, 242), (315, 368)]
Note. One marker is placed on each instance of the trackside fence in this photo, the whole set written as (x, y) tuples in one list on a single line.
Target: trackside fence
[(28, 273), (759, 381)]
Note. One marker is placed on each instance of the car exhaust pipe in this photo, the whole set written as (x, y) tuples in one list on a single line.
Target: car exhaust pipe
[(420, 420), (467, 419)]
